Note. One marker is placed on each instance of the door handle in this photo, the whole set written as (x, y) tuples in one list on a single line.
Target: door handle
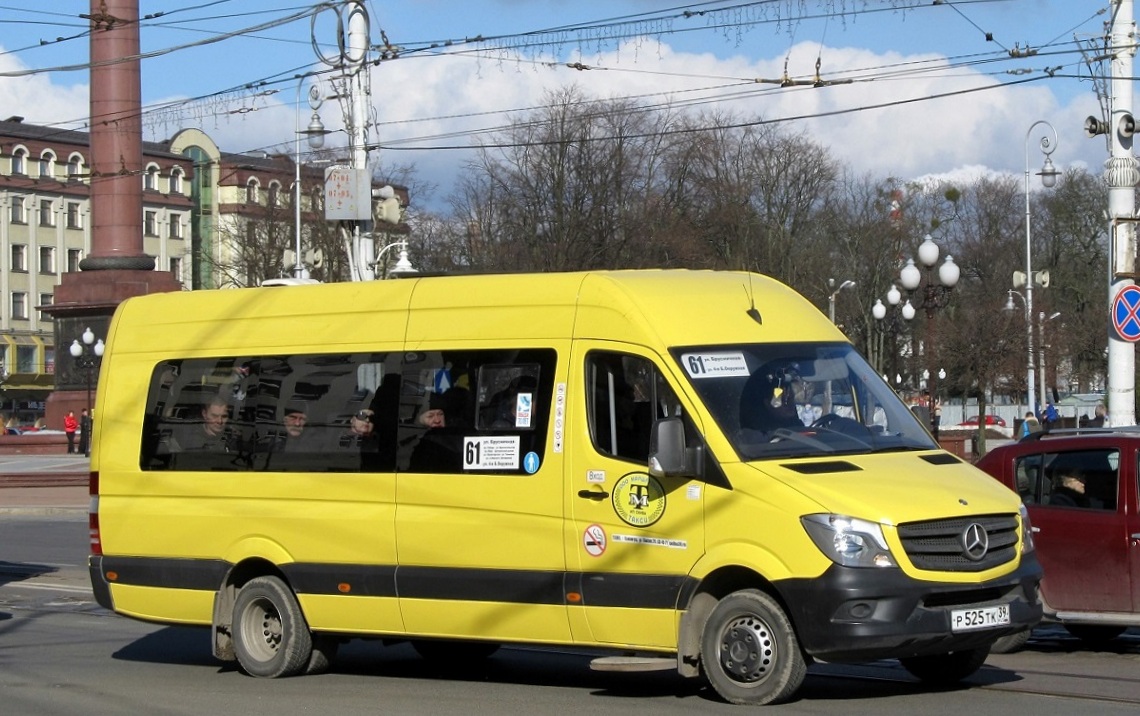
[(1136, 535), (593, 494)]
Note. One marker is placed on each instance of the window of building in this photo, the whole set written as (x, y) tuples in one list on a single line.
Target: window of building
[(20, 161), (16, 215), (47, 165), (176, 226), (26, 359), (274, 195), (20, 307), (47, 213), (150, 223), (252, 192), (74, 215), (176, 178), (176, 268), (49, 359), (19, 257), (74, 167), (150, 179), (74, 256), (46, 300), (47, 259)]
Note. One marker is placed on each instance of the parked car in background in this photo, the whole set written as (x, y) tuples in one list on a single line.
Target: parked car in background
[(991, 421), (1080, 489)]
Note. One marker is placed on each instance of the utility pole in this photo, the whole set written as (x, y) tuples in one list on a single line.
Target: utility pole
[(1121, 175)]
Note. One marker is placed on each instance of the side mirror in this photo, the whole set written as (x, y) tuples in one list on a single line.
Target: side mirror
[(668, 456)]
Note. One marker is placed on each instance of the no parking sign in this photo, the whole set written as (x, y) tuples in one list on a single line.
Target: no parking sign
[(1126, 313)]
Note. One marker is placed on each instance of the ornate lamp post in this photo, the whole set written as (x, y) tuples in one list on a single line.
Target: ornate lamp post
[(1048, 178), (316, 134), (87, 356)]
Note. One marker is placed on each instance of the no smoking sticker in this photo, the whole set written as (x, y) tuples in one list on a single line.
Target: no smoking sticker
[(594, 540)]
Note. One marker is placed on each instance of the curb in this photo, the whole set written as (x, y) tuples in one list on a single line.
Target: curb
[(44, 479)]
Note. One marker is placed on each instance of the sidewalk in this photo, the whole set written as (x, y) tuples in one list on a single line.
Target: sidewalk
[(43, 484)]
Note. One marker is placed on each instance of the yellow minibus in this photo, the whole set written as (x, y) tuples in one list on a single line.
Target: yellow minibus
[(689, 470)]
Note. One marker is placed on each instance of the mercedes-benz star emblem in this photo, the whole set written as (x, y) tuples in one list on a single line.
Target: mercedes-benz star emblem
[(975, 542)]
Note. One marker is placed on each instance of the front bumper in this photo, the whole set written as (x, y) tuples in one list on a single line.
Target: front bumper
[(850, 614)]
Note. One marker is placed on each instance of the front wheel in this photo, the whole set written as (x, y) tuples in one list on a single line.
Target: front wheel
[(1010, 642), (271, 637), (946, 669), (749, 651)]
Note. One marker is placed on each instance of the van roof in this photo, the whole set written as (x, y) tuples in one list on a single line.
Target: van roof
[(669, 306)]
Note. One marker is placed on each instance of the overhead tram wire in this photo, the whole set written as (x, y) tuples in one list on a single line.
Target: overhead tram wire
[(734, 125)]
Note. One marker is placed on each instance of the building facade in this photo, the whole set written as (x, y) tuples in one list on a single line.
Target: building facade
[(211, 218)]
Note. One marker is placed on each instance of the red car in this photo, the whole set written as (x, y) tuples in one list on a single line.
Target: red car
[(1080, 489), (991, 420)]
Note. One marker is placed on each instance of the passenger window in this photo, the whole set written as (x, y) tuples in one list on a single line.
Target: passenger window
[(625, 395), (285, 413), (481, 412), (1084, 479)]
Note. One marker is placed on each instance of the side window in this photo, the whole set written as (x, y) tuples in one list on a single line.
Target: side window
[(625, 395), (1027, 471), (475, 412), (1083, 479), (285, 413)]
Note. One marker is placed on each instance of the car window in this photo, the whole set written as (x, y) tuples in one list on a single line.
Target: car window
[(1077, 479)]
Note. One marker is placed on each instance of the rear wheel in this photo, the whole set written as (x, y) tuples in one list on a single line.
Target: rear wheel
[(324, 652), (1095, 634), (749, 651), (271, 637), (946, 669)]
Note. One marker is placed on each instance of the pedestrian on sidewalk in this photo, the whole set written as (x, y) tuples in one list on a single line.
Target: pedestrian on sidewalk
[(70, 425)]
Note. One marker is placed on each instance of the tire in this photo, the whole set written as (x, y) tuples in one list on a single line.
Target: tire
[(946, 669), (454, 651), (749, 651), (1010, 642), (271, 638), (1095, 634), (323, 654)]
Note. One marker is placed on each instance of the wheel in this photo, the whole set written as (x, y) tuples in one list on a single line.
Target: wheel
[(1095, 634), (323, 654), (454, 651), (1010, 642), (271, 638), (946, 669), (749, 651)]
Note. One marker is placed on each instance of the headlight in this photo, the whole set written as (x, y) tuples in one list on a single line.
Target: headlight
[(849, 541), (1027, 545)]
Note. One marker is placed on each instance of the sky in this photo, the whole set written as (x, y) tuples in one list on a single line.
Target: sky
[(911, 88)]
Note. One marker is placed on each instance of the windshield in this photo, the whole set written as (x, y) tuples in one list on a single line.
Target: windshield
[(800, 400)]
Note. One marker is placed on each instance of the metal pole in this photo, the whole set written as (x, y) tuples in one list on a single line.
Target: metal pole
[(1041, 355), (1121, 175), (1030, 379), (298, 267)]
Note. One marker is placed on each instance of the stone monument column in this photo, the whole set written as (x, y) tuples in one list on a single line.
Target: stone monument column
[(115, 267)]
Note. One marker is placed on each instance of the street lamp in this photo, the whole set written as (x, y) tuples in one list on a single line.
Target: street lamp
[(834, 293), (316, 134), (403, 265), (1048, 178), (935, 295), (87, 356)]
